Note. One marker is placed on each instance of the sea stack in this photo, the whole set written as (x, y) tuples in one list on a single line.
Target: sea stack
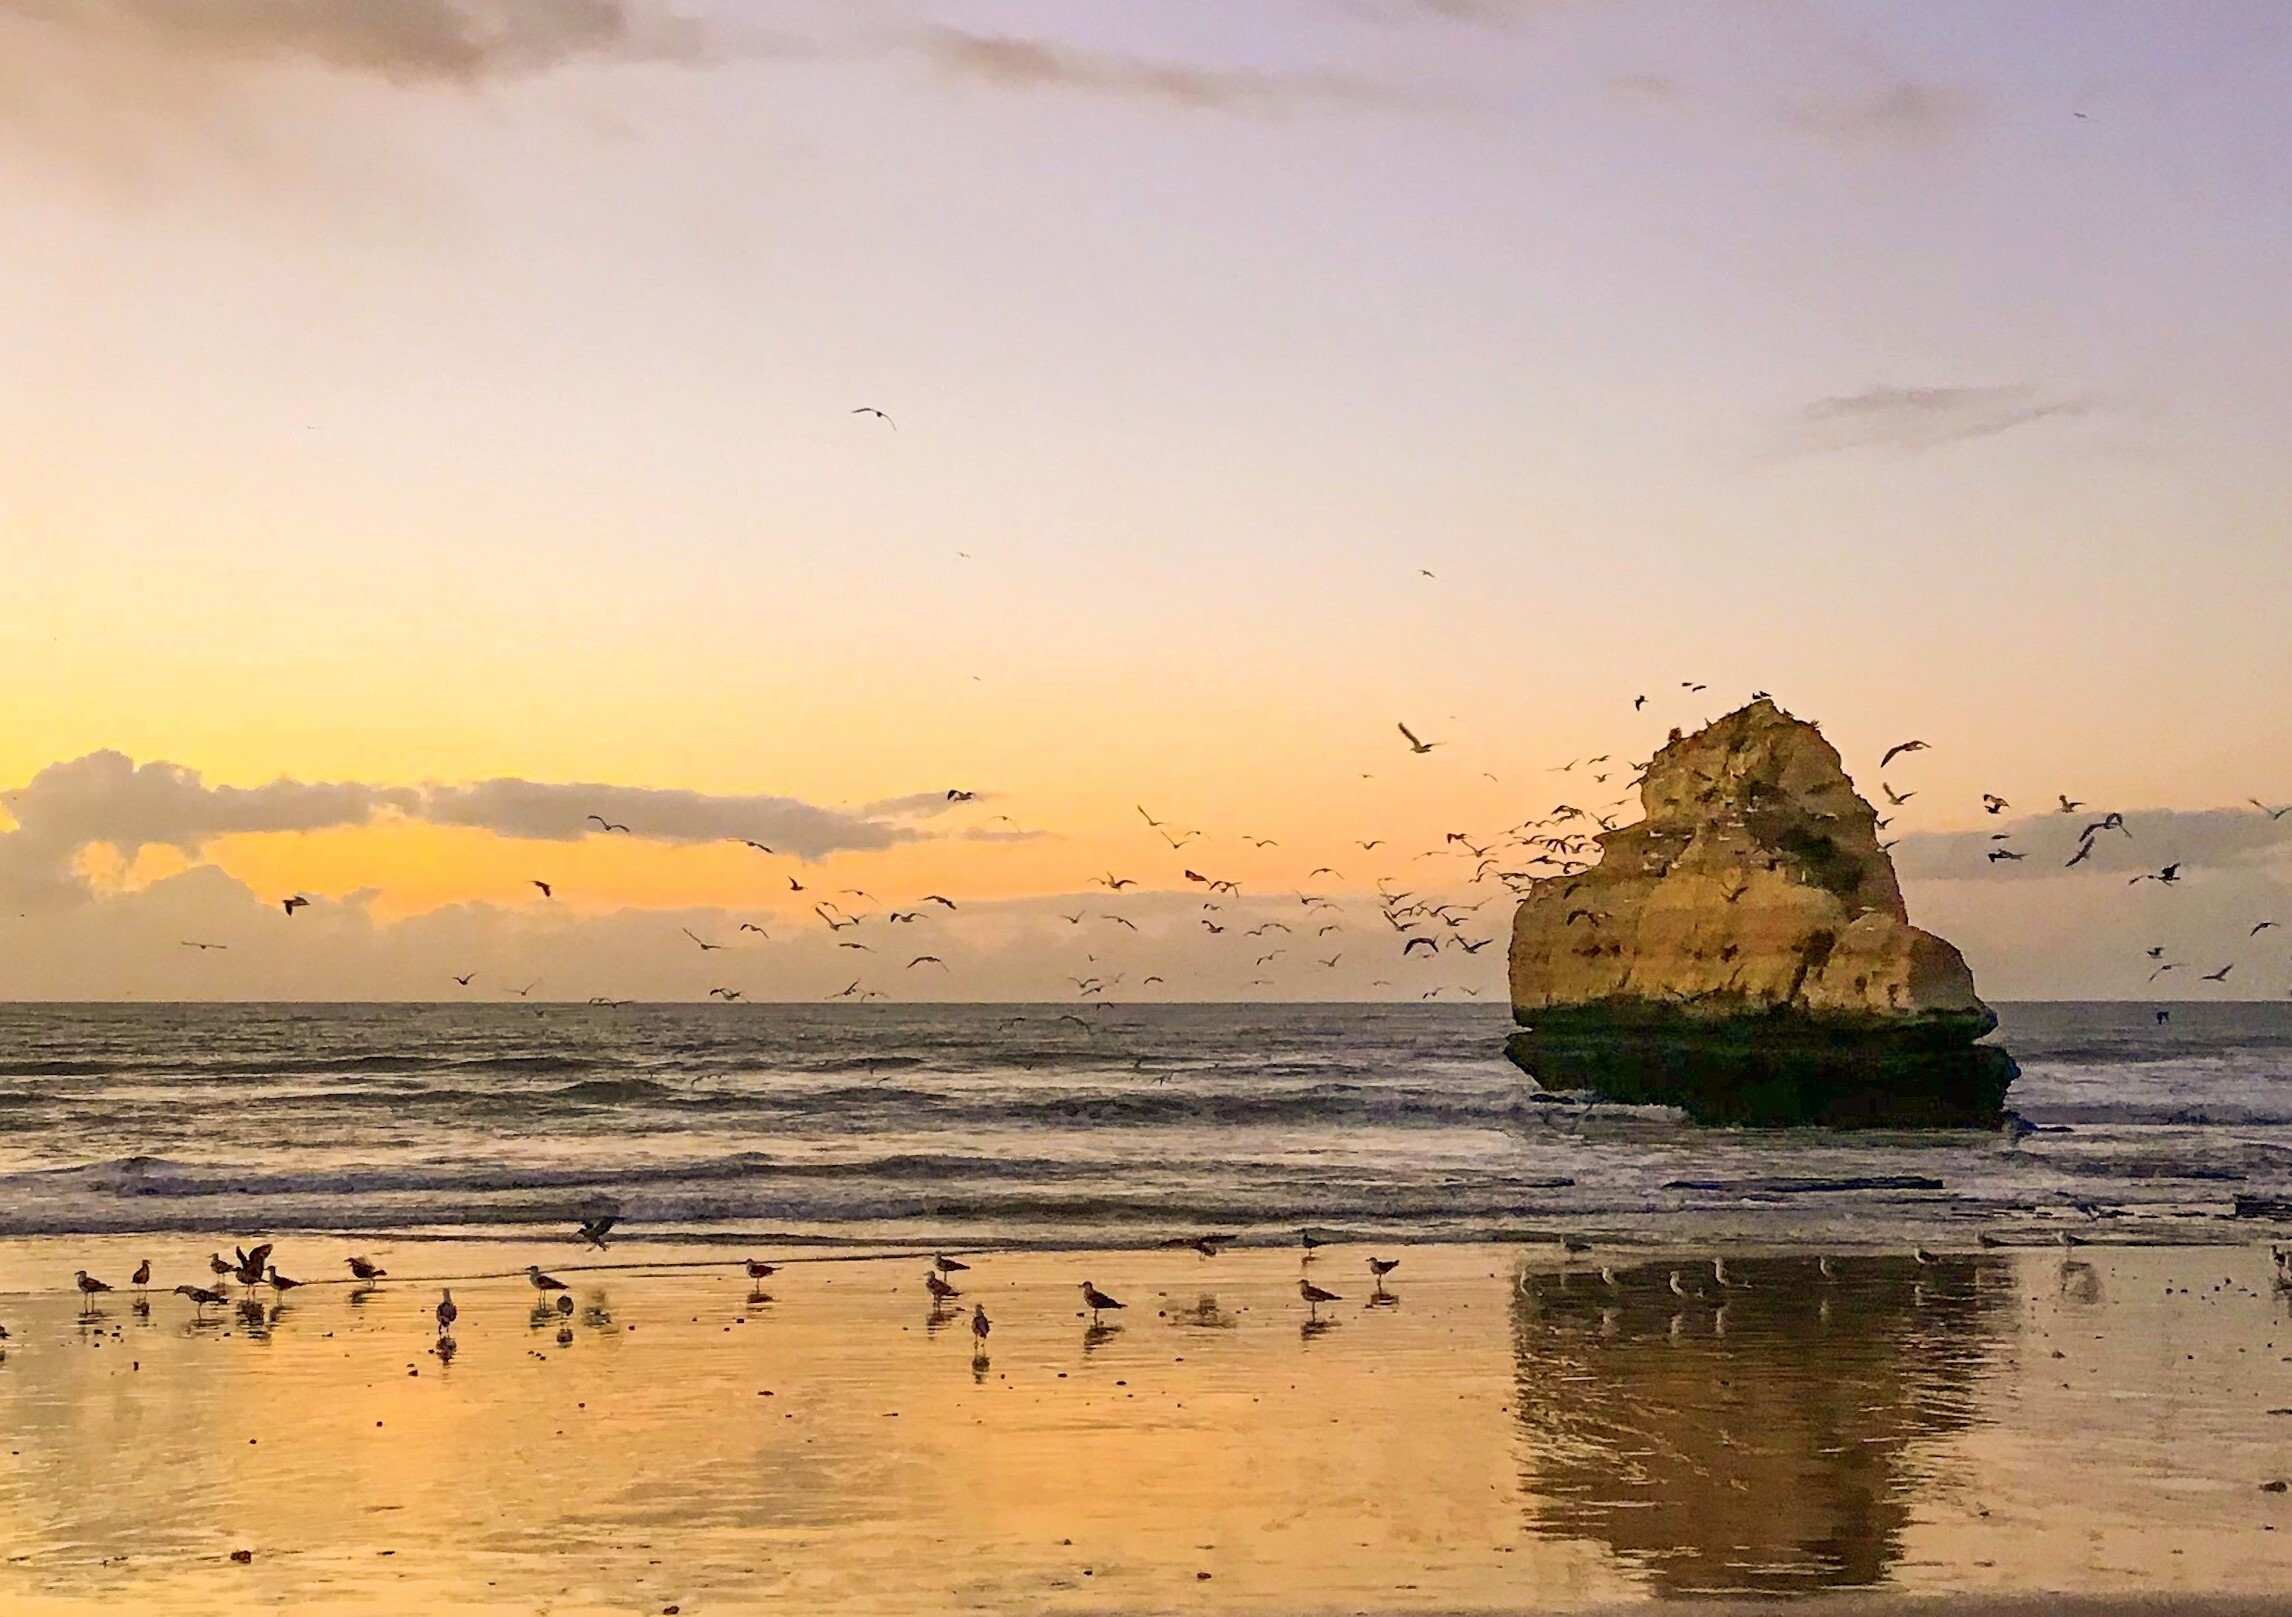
[(1743, 953)]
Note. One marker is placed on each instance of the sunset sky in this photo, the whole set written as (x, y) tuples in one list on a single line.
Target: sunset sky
[(463, 393)]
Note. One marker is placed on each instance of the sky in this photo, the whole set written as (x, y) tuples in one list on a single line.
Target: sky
[(428, 424)]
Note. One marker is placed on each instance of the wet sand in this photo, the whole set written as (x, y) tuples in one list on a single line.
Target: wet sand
[(1499, 1433)]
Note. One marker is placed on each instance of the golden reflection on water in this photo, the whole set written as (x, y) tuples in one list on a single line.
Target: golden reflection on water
[(1482, 1431)]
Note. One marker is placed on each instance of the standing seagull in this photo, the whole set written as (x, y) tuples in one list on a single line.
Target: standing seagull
[(362, 1270), (980, 1325), (949, 1266), (1315, 1296), (447, 1312), (1381, 1267), (142, 1276), (1097, 1301), (758, 1270), (88, 1284), (541, 1282), (939, 1289)]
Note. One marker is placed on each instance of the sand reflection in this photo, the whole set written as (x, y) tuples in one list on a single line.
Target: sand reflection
[(1749, 1436)]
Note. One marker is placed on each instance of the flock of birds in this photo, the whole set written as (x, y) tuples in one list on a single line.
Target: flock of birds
[(1427, 915), (2093, 827), (253, 1270)]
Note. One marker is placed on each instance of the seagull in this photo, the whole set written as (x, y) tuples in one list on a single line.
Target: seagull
[(980, 1325), (218, 1263), (607, 824), (251, 1265), (704, 946), (939, 1288), (1828, 1273), (542, 1282), (1923, 1258), (956, 795), (1899, 749), (466, 981), (290, 905), (728, 995), (546, 890), (2219, 976), (927, 960), (751, 926), (2083, 853), (2272, 813), (1315, 1296), (1381, 1267), (2167, 876), (1112, 883), (746, 842), (2262, 927), (1994, 804), (565, 1304), (2005, 853), (201, 1297), (1097, 1301), (204, 947), (1894, 797), (363, 1270), (1679, 1287), (934, 898), (1415, 745), (759, 1270), (949, 1266), (869, 409), (593, 1233), (280, 1283), (1637, 703), (1608, 1278), (2069, 805), (447, 1312), (88, 1284)]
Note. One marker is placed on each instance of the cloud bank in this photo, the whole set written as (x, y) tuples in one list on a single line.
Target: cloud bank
[(107, 798), (460, 42)]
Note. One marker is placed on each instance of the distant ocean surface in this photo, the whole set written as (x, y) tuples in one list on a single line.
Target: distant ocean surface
[(1038, 1125)]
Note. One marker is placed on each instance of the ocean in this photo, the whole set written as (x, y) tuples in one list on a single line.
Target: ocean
[(1042, 1126)]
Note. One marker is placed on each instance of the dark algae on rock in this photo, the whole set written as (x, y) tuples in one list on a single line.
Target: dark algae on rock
[(1743, 953)]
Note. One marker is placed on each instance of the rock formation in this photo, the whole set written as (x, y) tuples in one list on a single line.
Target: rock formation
[(1743, 952)]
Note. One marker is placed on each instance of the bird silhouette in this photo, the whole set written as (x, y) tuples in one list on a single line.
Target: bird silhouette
[(1415, 745), (1898, 749), (871, 410), (547, 891)]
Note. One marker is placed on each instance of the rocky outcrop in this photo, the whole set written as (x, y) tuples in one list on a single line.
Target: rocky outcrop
[(1744, 952)]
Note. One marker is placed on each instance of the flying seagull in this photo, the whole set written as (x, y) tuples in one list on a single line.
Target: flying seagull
[(1994, 804), (290, 905), (605, 823), (1415, 745), (2272, 813), (869, 409), (546, 890), (2219, 976), (1899, 749), (704, 945)]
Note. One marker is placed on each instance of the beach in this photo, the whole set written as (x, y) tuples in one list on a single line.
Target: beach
[(1496, 1429)]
